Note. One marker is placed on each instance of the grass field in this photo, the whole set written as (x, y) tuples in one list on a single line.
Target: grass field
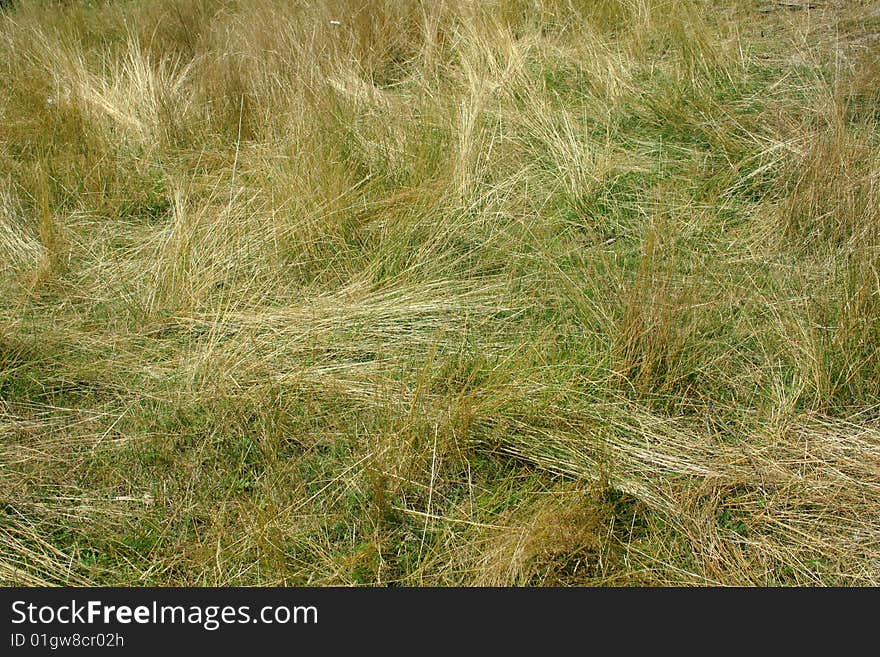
[(391, 292)]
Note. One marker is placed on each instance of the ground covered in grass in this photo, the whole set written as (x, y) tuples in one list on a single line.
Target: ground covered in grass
[(388, 292)]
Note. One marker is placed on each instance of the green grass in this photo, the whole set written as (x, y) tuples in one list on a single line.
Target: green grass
[(506, 293)]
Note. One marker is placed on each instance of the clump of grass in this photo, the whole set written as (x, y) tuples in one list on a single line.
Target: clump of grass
[(834, 190)]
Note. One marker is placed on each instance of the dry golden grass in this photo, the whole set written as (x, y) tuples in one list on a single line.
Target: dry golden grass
[(520, 292)]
